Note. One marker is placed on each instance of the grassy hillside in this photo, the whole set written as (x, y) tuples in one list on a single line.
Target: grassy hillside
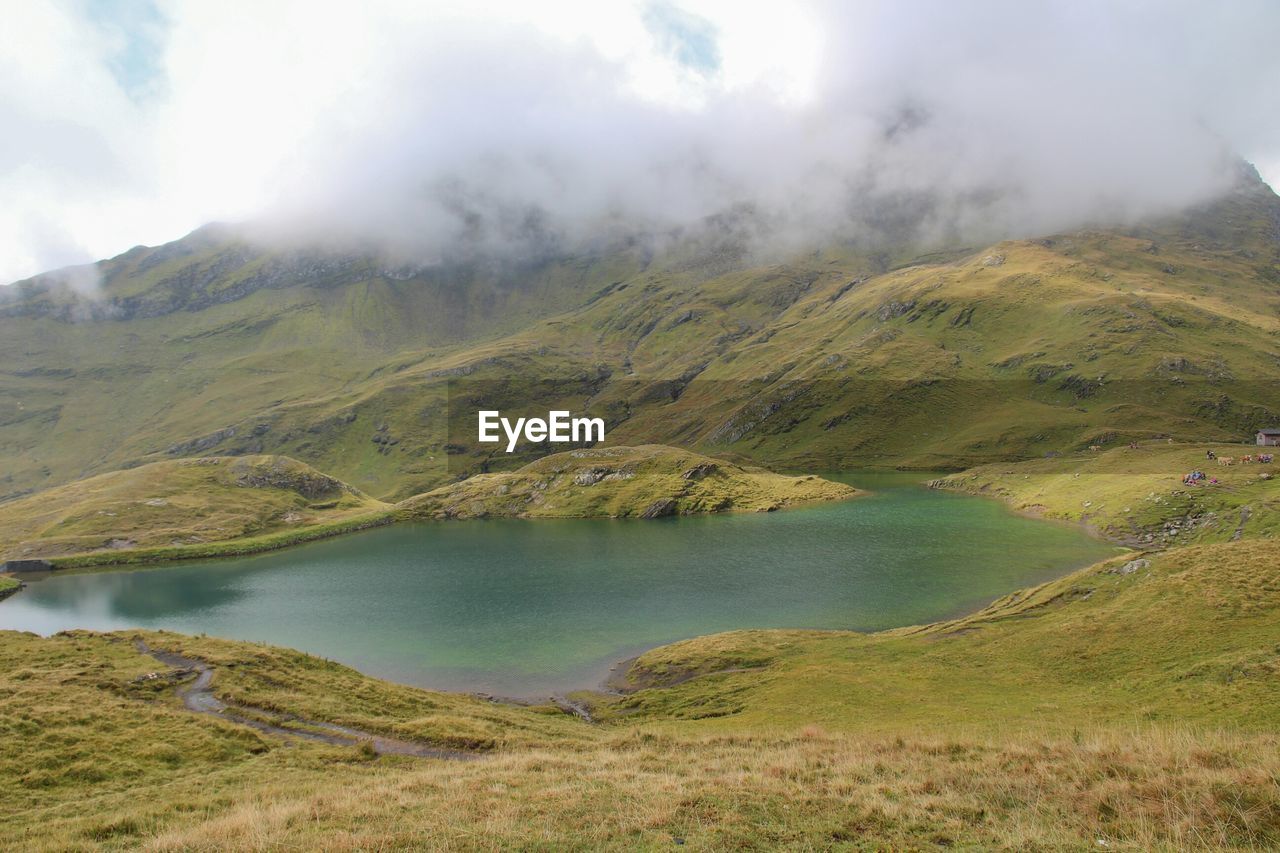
[(617, 482), (1183, 637), (190, 507), (832, 358), (1138, 496), (840, 359), (1133, 706), (210, 343)]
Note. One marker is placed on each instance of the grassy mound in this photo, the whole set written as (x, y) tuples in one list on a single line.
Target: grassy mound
[(190, 507), (649, 481), (1138, 496)]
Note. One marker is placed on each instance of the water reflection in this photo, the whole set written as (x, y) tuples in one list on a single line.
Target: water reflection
[(140, 596)]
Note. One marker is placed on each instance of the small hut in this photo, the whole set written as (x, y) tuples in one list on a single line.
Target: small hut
[(1269, 437)]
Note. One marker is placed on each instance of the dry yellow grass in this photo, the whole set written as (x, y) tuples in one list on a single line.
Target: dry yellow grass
[(1142, 790)]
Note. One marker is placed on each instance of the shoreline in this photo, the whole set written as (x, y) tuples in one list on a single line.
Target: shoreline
[(164, 555), (7, 589), (1089, 529), (576, 701), (213, 550), (1134, 497), (613, 681)]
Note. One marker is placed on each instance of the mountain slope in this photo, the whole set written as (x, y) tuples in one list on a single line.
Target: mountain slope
[(837, 357), (205, 341)]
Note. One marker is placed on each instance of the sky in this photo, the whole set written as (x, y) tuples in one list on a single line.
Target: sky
[(417, 127)]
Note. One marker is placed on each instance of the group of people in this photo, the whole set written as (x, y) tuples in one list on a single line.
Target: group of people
[(1198, 476)]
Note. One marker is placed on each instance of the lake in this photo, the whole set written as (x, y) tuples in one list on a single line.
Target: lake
[(530, 608)]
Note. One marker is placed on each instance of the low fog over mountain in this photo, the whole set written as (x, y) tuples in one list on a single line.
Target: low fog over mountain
[(515, 130)]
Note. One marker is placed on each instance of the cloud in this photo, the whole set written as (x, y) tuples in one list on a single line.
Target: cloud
[(504, 127)]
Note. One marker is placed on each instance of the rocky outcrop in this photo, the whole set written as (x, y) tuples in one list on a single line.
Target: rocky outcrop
[(1131, 567), (660, 508), (201, 444), (311, 485), (697, 472), (894, 309), (591, 476)]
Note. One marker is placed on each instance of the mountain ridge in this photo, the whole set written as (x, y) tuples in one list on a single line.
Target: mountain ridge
[(831, 358)]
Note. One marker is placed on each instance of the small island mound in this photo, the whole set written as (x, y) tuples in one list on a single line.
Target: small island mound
[(647, 481)]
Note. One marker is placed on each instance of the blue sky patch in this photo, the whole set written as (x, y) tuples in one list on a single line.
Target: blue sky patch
[(687, 38), (138, 32)]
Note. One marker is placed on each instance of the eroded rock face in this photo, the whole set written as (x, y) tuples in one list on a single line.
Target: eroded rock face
[(590, 476), (894, 309), (310, 484), (204, 442), (697, 472), (660, 508)]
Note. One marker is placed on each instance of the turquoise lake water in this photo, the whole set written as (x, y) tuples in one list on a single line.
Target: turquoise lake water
[(530, 608)]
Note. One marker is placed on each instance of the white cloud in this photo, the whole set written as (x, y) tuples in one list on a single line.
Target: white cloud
[(414, 122)]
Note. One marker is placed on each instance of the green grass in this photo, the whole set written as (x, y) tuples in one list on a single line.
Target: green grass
[(286, 681), (230, 548), (1137, 495), (1189, 639), (618, 482), (189, 508), (1133, 706)]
